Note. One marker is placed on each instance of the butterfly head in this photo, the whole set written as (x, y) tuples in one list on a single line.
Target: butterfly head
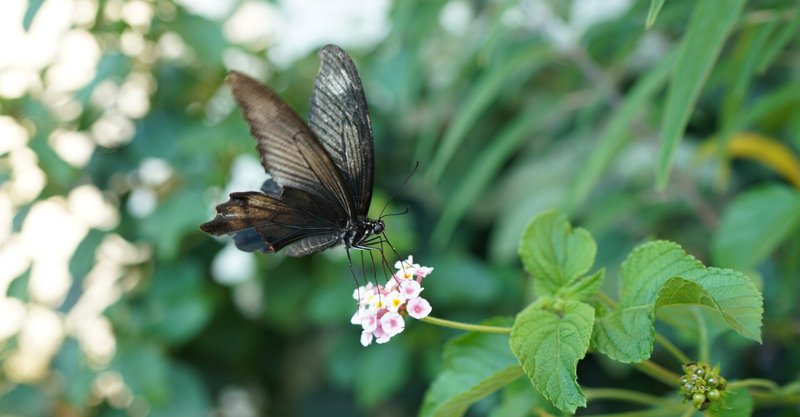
[(378, 227)]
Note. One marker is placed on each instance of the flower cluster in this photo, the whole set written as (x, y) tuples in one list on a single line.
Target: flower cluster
[(702, 385), (381, 307)]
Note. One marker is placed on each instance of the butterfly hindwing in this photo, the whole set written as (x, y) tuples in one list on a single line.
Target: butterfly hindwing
[(262, 222), (339, 118)]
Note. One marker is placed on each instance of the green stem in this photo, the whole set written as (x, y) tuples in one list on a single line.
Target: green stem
[(466, 326), (624, 395), (767, 399), (657, 372), (606, 299), (702, 335), (661, 411), (755, 382), (677, 353)]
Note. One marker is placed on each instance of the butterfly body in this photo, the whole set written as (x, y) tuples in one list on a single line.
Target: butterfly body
[(321, 172)]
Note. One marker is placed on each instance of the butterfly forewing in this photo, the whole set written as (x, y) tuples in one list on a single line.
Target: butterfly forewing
[(338, 116), (289, 151)]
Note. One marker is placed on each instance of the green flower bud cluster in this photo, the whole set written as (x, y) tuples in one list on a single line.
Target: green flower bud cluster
[(702, 385)]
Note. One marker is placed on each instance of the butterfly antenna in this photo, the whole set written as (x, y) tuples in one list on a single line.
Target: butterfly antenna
[(404, 211), (394, 194)]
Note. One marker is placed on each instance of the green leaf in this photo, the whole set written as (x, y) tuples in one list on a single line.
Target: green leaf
[(475, 365), (648, 267), (554, 253), (480, 97), (519, 398), (549, 341), (680, 291), (785, 34), (737, 298), (655, 7), (584, 287), (748, 50), (742, 302), (616, 132), (491, 160), (625, 335), (648, 281), (754, 224), (708, 29)]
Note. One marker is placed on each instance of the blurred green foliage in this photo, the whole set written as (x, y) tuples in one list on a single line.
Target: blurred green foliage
[(511, 108)]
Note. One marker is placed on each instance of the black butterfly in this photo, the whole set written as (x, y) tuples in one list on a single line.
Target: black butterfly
[(322, 173)]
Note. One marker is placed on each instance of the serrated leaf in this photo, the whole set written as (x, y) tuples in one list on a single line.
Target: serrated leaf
[(554, 253), (737, 298), (705, 36), (648, 267), (584, 287), (754, 224), (625, 335), (648, 280), (475, 365), (680, 291), (549, 341)]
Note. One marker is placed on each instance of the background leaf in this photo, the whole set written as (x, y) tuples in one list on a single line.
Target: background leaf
[(708, 29), (475, 365), (754, 225)]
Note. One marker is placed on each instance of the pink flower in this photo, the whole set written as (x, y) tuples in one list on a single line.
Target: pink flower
[(418, 308), (410, 289), (366, 338), (407, 269), (381, 308), (394, 300), (392, 323), (369, 320)]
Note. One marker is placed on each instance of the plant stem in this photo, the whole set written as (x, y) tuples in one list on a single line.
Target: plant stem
[(666, 410), (657, 372), (677, 353), (755, 382), (624, 395), (466, 326), (767, 399), (702, 335)]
